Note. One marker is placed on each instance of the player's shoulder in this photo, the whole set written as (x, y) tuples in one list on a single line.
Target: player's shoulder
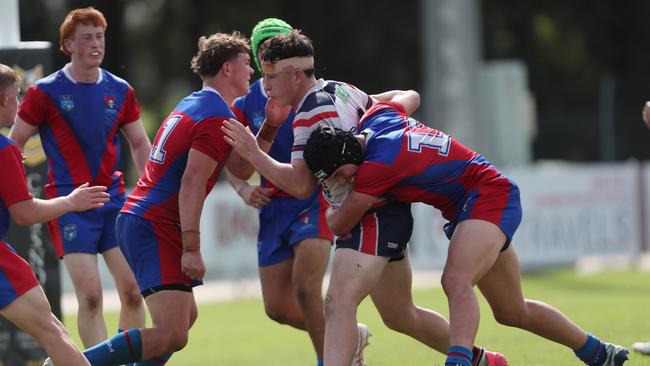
[(316, 99), (50, 80), (5, 142), (204, 104), (111, 78)]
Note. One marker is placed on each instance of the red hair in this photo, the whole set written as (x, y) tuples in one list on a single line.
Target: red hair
[(85, 16)]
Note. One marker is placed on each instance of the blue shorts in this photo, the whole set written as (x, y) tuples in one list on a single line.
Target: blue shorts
[(384, 231), (153, 251), (285, 222), (86, 232), (16, 276)]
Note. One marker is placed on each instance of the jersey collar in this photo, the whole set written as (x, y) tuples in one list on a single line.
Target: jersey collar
[(68, 74)]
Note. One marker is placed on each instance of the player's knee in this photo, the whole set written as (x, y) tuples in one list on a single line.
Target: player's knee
[(276, 313), (132, 299), (305, 292), (194, 314), (454, 283), (90, 302), (511, 319), (328, 305), (176, 340), (395, 321)]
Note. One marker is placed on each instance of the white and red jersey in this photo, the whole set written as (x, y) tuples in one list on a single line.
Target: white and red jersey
[(331, 103)]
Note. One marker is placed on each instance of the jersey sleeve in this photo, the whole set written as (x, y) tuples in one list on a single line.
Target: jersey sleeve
[(375, 178), (207, 137), (131, 109), (13, 185), (32, 108), (361, 97)]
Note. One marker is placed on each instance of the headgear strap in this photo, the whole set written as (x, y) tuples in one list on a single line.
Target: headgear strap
[(291, 63)]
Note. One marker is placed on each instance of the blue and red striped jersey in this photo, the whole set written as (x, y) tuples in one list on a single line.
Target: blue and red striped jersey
[(249, 110), (195, 123), (78, 124), (409, 162), (13, 185)]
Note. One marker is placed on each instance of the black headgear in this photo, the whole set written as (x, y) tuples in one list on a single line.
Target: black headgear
[(328, 148)]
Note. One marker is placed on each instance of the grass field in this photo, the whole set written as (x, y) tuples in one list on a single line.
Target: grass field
[(614, 306)]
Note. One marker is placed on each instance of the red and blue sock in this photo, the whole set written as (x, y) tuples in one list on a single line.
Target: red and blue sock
[(459, 356), (120, 349), (593, 352)]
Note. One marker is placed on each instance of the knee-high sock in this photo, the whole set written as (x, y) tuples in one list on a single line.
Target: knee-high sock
[(120, 349)]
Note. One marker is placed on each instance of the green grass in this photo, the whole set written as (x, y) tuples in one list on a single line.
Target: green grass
[(614, 306)]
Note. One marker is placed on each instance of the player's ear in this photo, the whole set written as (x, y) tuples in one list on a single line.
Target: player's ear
[(67, 42), (226, 68), (298, 75), (3, 99)]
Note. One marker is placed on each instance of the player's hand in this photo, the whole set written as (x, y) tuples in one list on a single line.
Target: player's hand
[(256, 196), (192, 264), (646, 113), (85, 197), (275, 113), (240, 138)]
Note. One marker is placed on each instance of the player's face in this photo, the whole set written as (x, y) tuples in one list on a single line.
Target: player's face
[(241, 72), (281, 86), (86, 47), (9, 103), (345, 173)]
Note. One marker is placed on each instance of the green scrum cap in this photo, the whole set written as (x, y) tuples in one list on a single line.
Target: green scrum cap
[(265, 29)]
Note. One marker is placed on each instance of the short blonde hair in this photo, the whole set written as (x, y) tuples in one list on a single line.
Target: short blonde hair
[(8, 77)]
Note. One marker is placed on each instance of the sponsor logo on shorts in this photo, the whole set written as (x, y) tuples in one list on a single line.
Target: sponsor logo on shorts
[(392, 245), (70, 232)]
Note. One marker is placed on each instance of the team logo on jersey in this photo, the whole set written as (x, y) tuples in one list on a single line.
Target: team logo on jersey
[(258, 118), (66, 102), (109, 101), (304, 218), (70, 232)]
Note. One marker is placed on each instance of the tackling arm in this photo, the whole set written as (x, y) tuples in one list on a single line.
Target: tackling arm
[(409, 99), (342, 220)]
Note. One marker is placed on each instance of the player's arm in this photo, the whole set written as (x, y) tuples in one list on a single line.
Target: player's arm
[(294, 178), (241, 168), (343, 219), (139, 144), (20, 132), (191, 197), (253, 195), (275, 116), (646, 113), (409, 99), (35, 210)]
